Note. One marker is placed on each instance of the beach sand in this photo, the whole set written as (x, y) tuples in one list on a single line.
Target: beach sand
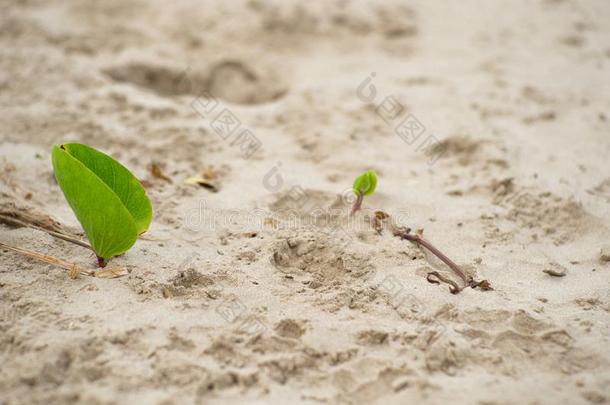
[(487, 123)]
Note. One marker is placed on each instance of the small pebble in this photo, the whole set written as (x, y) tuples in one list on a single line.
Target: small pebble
[(555, 270)]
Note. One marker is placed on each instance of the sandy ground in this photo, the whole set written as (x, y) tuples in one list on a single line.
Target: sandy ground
[(487, 122)]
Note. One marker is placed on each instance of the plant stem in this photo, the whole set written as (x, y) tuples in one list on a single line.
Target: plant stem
[(452, 265), (101, 261), (417, 239), (435, 277), (358, 203)]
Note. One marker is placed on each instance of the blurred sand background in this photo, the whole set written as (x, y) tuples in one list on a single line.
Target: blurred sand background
[(247, 290)]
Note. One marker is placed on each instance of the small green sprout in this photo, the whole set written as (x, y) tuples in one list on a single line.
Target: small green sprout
[(363, 185), (108, 201)]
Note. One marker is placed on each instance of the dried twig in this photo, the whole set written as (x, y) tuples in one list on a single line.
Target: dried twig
[(59, 235), (73, 269), (28, 216), (50, 259)]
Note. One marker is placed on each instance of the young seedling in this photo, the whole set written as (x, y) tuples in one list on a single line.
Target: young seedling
[(363, 185), (108, 201)]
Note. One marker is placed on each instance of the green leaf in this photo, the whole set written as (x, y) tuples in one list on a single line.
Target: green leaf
[(365, 183), (108, 201)]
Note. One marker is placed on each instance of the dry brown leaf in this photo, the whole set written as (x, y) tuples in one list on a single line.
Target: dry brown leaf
[(210, 173), (155, 171), (200, 181), (111, 273), (167, 293)]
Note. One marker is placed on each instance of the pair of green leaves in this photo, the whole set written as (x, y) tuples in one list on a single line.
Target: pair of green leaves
[(108, 201), (365, 183)]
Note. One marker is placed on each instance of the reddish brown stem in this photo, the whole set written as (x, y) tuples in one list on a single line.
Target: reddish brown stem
[(435, 277), (101, 261), (358, 203), (452, 265)]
